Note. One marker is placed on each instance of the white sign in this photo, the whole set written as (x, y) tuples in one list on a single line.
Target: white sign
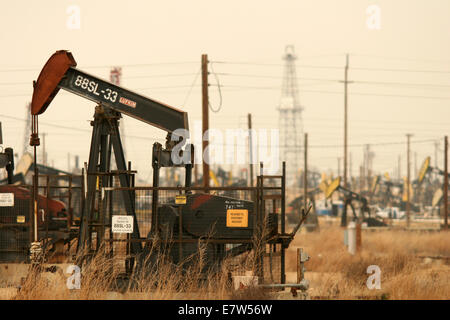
[(6, 199), (122, 224)]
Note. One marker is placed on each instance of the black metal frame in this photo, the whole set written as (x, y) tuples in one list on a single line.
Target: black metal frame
[(105, 138), (46, 188), (260, 193)]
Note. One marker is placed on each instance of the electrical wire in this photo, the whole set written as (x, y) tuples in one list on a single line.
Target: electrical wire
[(312, 146), (398, 58), (220, 91), (337, 67), (337, 80), (335, 92), (192, 86), (136, 65)]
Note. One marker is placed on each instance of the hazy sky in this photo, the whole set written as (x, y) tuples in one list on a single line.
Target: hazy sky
[(147, 38)]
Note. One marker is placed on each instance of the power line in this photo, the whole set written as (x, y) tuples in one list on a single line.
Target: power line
[(146, 88), (160, 76), (142, 137), (360, 120), (192, 86), (48, 124), (335, 92), (105, 66), (74, 128), (398, 58), (337, 67), (220, 92), (401, 70), (337, 80), (271, 77), (212, 144), (276, 65)]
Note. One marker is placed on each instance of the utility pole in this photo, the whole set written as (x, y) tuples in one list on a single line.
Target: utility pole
[(361, 178), (408, 179), (345, 120), (415, 164), (446, 183), (436, 146), (399, 173), (339, 166), (364, 169), (250, 147), (305, 174), (44, 151), (350, 171), (77, 162), (368, 165), (68, 162), (205, 120)]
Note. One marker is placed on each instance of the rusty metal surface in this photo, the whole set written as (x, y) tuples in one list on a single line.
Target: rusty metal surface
[(46, 86)]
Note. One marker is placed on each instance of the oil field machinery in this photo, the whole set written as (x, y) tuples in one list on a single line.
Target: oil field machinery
[(227, 219), (425, 187), (53, 220), (432, 191), (295, 207), (349, 197), (382, 193)]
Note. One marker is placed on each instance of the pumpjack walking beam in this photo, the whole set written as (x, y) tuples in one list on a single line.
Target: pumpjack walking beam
[(60, 73)]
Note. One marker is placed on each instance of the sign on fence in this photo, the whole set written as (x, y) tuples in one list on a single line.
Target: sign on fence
[(6, 199), (122, 224)]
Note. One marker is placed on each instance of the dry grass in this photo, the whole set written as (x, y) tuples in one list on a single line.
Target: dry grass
[(334, 273), (161, 280)]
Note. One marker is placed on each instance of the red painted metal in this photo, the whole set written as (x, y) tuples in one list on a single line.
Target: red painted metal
[(46, 86), (55, 208)]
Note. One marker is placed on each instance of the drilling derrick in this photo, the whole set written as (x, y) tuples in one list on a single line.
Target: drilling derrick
[(290, 118)]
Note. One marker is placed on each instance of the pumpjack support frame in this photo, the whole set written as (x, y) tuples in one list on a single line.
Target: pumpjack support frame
[(106, 140)]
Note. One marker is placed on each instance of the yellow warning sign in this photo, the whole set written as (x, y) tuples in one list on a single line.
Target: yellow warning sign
[(180, 199), (20, 219), (237, 218)]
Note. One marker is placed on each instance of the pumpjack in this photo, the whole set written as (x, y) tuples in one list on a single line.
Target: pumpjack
[(425, 170), (381, 191), (295, 206), (349, 197), (200, 211), (112, 101)]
